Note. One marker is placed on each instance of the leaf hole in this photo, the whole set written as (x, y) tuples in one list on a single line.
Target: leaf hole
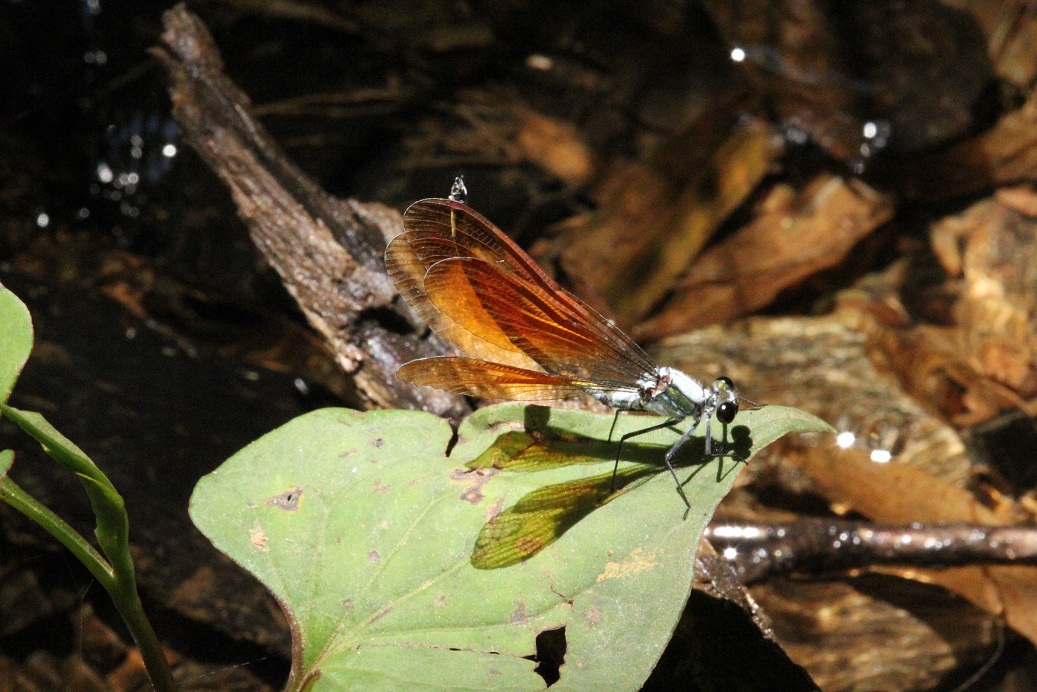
[(288, 500), (550, 654)]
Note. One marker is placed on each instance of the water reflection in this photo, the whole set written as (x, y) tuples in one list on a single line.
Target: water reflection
[(136, 152)]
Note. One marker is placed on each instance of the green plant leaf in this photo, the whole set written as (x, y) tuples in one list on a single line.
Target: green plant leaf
[(15, 340), (364, 530), (112, 528)]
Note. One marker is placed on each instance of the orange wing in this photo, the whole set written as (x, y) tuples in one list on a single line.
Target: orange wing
[(482, 293), (532, 320), (407, 260), (487, 380), (440, 228)]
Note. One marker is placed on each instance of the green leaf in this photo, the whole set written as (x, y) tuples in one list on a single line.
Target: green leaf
[(364, 530), (15, 340), (112, 528), (117, 575)]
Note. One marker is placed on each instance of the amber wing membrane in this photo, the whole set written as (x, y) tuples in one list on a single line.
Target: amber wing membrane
[(531, 319), (488, 380), (407, 259), (482, 293)]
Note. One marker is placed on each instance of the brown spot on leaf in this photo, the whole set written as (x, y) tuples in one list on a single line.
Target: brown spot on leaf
[(495, 509), (519, 616), (288, 500), (259, 539), (638, 561), (592, 615), (475, 481)]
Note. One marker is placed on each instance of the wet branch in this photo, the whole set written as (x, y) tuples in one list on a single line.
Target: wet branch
[(327, 251), (816, 545)]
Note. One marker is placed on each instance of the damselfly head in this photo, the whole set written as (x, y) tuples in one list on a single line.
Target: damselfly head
[(679, 396), (726, 399)]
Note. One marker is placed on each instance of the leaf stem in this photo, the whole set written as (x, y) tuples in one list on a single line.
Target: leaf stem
[(116, 573), (12, 494)]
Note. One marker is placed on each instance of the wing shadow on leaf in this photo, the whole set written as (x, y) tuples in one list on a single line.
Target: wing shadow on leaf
[(542, 516)]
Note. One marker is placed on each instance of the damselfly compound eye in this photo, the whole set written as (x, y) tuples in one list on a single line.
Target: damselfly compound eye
[(727, 411)]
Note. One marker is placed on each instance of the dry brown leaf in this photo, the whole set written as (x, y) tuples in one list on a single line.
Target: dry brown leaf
[(650, 226), (992, 246), (876, 632), (1007, 153), (1011, 30), (556, 147), (931, 364), (744, 273), (1022, 198), (997, 311)]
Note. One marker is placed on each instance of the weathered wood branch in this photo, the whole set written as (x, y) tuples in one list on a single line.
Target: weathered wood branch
[(758, 551), (327, 251)]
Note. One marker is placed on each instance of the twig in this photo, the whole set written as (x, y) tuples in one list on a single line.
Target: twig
[(758, 551)]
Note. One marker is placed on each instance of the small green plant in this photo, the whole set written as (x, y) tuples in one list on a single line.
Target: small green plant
[(406, 557), (112, 566)]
